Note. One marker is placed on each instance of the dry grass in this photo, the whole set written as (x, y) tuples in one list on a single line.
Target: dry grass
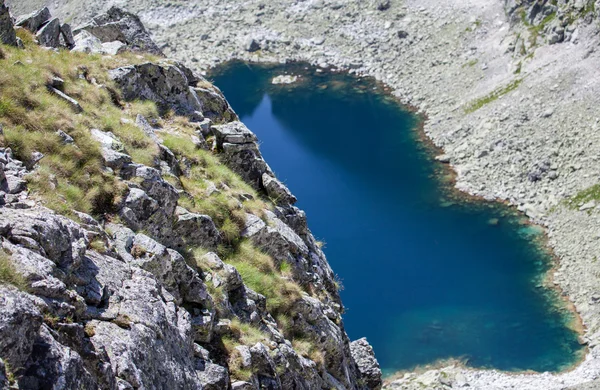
[(260, 274), (9, 274)]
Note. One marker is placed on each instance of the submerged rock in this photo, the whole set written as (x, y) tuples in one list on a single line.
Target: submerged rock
[(284, 79)]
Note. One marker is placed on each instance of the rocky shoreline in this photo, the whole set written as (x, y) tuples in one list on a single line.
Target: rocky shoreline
[(513, 112)]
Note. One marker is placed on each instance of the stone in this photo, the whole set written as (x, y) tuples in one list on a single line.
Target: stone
[(194, 230), (547, 113), (277, 190), (65, 138), (119, 25), (214, 377), (443, 158), (163, 83), (214, 106), (34, 20), (588, 205), (20, 321), (115, 160), (49, 34), (107, 139), (233, 133), (241, 385), (85, 42), (363, 355), (72, 102), (7, 32), (52, 363), (67, 35), (383, 5), (113, 48), (251, 45), (15, 184), (402, 34)]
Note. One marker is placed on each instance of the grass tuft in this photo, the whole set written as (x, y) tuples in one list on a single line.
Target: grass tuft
[(493, 96), (9, 274)]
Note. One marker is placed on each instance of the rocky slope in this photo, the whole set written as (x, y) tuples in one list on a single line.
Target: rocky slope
[(145, 243), (510, 89)]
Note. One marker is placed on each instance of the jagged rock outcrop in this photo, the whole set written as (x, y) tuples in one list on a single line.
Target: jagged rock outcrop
[(142, 295), (556, 21), (7, 32), (170, 85), (119, 25), (364, 356)]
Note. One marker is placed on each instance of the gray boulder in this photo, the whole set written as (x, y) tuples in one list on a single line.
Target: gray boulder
[(251, 45), (233, 133), (34, 20), (52, 363), (241, 152), (87, 43), (363, 355), (163, 83), (213, 377), (383, 5), (193, 230), (119, 25), (67, 35), (38, 229), (20, 321), (7, 32), (49, 34)]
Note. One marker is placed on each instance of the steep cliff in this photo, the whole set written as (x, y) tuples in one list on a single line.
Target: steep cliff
[(145, 243)]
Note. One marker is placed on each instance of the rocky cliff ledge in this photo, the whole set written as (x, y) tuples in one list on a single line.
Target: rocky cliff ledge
[(145, 243)]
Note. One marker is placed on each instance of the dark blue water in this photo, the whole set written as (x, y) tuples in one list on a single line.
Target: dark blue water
[(426, 276)]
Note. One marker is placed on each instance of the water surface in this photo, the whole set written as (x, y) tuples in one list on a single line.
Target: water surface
[(426, 277)]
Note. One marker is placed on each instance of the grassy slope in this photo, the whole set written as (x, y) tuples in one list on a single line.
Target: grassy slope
[(72, 176)]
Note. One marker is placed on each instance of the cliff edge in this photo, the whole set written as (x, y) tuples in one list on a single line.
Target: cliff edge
[(145, 243)]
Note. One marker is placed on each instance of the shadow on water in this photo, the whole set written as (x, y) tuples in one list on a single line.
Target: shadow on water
[(427, 276)]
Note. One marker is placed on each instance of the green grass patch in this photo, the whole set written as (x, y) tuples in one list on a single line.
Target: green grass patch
[(471, 63), (259, 272), (493, 96), (69, 177), (9, 274), (591, 193)]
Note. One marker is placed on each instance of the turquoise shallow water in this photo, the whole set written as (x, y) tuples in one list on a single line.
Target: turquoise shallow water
[(426, 277)]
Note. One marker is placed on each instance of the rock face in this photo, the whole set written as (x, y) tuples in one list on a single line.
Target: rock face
[(158, 293), (122, 26), (364, 356), (7, 32), (168, 85), (35, 20)]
